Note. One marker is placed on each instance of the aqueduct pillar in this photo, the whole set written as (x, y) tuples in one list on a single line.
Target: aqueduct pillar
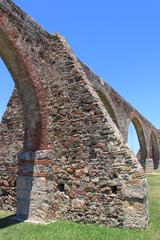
[(18, 49)]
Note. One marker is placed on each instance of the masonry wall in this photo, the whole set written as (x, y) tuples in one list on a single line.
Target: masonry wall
[(101, 178), (94, 177), (11, 141), (91, 176), (122, 114), (120, 110)]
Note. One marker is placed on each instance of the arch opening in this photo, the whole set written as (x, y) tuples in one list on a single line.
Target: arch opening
[(5, 83), (133, 141), (26, 91), (154, 150), (8, 130), (136, 140), (20, 63)]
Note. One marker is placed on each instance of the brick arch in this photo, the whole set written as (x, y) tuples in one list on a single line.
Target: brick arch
[(29, 89), (154, 149), (142, 154), (20, 45)]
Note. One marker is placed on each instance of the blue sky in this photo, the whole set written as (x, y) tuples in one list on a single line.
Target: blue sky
[(119, 40)]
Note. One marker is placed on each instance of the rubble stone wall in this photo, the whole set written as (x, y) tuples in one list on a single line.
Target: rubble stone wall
[(74, 163), (122, 114), (11, 141)]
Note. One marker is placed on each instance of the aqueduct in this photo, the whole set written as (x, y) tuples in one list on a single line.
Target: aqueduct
[(122, 113), (69, 129)]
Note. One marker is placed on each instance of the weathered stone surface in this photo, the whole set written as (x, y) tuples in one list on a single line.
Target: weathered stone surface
[(11, 141), (122, 113), (136, 188), (73, 162), (134, 215), (78, 204), (149, 166)]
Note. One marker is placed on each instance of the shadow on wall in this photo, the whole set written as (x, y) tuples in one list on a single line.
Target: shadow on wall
[(24, 184)]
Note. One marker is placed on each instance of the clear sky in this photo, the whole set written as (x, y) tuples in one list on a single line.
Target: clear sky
[(119, 40)]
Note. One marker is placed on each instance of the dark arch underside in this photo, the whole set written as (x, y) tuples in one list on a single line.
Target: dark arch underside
[(154, 150)]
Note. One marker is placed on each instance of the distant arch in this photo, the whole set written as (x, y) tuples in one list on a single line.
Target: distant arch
[(108, 106), (142, 153), (154, 149)]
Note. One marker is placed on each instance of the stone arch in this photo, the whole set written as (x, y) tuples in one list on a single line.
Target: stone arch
[(28, 92), (154, 149), (108, 106), (20, 44), (142, 154)]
